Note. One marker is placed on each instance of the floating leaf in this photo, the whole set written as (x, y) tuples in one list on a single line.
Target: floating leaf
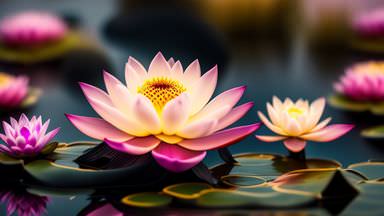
[(7, 160), (341, 102), (186, 190), (376, 132), (318, 182), (147, 199), (224, 198), (371, 170), (268, 166), (49, 148), (242, 181)]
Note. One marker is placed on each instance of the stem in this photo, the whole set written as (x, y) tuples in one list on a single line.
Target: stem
[(297, 155), (226, 155), (203, 172)]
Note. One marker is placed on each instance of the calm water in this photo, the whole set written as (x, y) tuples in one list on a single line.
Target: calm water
[(281, 66)]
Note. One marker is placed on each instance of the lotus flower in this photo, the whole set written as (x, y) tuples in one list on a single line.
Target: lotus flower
[(295, 123), (24, 203), (363, 82), (13, 90), (370, 24), (164, 111), (25, 138), (31, 28)]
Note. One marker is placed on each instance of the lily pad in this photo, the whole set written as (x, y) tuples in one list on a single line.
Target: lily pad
[(186, 190), (371, 170), (27, 55), (147, 199), (268, 166), (242, 181), (224, 198), (376, 132), (318, 182), (341, 102)]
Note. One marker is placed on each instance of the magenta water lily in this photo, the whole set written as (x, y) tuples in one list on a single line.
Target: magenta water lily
[(26, 138), (166, 111), (295, 123), (24, 203), (363, 82), (370, 24), (13, 90), (31, 28)]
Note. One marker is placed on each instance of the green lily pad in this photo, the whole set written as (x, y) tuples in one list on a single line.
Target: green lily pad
[(28, 55), (7, 160), (268, 166), (242, 181), (376, 132), (318, 182), (341, 102), (186, 190), (371, 170), (49, 148), (60, 170), (147, 199), (224, 198)]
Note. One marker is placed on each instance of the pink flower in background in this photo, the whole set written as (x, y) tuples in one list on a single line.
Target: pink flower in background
[(370, 24), (363, 82), (166, 111), (32, 27), (297, 122), (25, 138), (13, 90), (24, 203)]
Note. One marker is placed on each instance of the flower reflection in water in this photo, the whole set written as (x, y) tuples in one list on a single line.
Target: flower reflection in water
[(23, 203)]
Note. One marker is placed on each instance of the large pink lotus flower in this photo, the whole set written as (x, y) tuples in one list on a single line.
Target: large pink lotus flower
[(31, 28), (370, 24), (13, 90), (25, 138), (297, 122), (24, 203), (363, 82), (164, 111)]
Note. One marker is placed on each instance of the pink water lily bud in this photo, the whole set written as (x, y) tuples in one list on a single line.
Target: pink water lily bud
[(363, 82), (31, 28), (13, 90), (165, 110), (25, 138), (297, 122), (370, 24)]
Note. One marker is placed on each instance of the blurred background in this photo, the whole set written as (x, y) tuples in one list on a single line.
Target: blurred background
[(287, 48)]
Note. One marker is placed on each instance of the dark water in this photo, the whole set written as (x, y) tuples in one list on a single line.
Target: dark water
[(282, 65)]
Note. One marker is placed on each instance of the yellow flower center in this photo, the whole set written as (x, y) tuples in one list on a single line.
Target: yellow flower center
[(295, 112), (4, 79), (160, 90)]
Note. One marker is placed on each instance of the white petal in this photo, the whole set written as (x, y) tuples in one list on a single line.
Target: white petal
[(175, 114), (146, 114), (204, 90), (159, 66), (270, 125), (197, 129), (192, 73), (132, 78)]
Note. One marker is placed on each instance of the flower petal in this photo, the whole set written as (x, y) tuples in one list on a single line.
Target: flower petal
[(137, 66), (171, 62), (315, 111), (146, 114), (175, 158), (192, 73), (118, 119), (177, 71), (228, 98), (322, 124), (219, 139), (203, 90), (234, 115), (197, 129), (175, 114), (270, 138), (97, 128), (270, 125), (159, 66), (92, 92), (132, 78), (135, 146), (328, 133), (295, 145)]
